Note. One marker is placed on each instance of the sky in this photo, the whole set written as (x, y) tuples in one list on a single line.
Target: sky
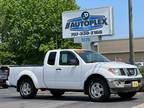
[(120, 13)]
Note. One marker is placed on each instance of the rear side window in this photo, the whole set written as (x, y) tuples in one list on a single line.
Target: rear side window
[(51, 58)]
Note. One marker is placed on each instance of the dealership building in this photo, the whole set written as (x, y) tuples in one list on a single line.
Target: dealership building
[(119, 49)]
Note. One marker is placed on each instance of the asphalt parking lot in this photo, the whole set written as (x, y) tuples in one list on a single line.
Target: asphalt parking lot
[(9, 98)]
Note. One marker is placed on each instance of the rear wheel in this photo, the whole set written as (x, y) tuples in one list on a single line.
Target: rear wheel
[(4, 86), (57, 93), (27, 89), (128, 95), (98, 90)]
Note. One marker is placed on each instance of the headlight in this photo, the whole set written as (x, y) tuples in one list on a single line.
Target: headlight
[(115, 71)]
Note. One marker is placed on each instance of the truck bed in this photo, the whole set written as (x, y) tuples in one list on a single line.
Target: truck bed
[(15, 72)]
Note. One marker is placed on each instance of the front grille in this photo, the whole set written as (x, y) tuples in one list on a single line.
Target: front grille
[(122, 72), (129, 72)]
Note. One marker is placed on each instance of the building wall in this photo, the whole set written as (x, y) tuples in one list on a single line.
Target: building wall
[(119, 49), (120, 46), (139, 56)]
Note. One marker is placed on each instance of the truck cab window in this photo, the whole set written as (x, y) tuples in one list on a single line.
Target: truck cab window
[(67, 58), (51, 58)]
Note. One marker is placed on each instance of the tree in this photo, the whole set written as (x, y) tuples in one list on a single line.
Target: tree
[(29, 28)]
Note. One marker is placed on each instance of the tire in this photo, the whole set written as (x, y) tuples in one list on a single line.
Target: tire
[(57, 93), (5, 86), (98, 90), (27, 89), (128, 95)]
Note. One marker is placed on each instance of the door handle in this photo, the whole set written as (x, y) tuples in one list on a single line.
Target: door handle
[(58, 69)]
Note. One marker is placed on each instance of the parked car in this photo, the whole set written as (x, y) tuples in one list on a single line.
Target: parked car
[(77, 70), (4, 72)]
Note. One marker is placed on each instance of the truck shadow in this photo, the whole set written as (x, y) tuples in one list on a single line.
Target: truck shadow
[(76, 98)]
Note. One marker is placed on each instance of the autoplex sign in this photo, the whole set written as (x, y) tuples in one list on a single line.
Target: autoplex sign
[(91, 22)]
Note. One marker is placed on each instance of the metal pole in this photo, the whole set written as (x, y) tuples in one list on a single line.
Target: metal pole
[(131, 52)]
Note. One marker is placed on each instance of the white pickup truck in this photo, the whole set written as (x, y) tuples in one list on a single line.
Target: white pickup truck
[(77, 70)]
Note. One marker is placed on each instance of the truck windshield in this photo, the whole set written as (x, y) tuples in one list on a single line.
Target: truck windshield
[(91, 56)]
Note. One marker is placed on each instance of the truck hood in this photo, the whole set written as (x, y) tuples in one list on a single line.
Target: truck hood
[(117, 65)]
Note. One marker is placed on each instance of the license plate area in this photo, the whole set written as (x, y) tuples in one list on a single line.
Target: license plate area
[(135, 84)]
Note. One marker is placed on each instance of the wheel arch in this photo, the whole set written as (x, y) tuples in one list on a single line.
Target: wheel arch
[(93, 76), (26, 76)]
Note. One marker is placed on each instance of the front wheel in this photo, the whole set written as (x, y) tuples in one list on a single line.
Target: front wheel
[(27, 89), (98, 90), (128, 95)]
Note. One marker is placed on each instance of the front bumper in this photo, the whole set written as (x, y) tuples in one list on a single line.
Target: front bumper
[(125, 85)]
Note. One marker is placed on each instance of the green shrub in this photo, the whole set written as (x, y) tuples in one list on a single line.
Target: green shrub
[(142, 71)]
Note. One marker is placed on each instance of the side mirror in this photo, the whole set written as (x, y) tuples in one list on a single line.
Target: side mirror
[(74, 62)]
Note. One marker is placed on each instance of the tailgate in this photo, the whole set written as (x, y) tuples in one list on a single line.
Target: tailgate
[(3, 73), (3, 77)]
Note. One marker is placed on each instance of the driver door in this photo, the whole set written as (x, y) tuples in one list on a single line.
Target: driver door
[(68, 71)]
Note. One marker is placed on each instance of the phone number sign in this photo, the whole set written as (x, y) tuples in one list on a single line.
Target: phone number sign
[(91, 22)]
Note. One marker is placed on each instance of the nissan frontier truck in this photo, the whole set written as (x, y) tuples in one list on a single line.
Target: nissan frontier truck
[(77, 70)]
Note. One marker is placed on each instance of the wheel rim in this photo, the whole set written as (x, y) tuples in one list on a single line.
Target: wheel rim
[(25, 89), (96, 90)]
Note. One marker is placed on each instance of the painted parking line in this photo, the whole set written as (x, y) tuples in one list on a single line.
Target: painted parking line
[(139, 106)]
